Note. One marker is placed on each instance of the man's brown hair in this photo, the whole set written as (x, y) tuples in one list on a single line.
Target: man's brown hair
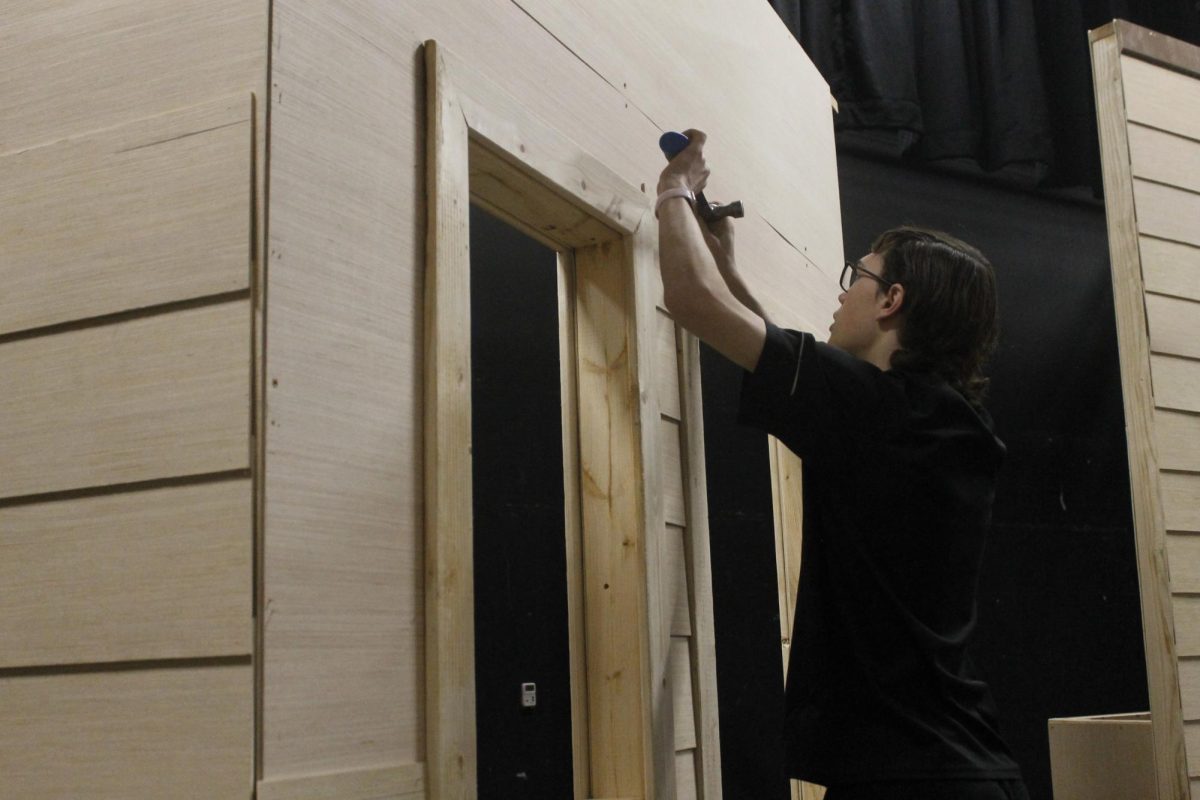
[(950, 320)]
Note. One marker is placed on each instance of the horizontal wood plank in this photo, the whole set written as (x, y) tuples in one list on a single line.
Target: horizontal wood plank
[(135, 576), (151, 212), (1177, 440), (1174, 324), (1161, 97), (685, 775), (667, 366), (670, 461), (1164, 157), (1189, 686), (401, 782), (128, 733), (1191, 738), (1167, 212), (683, 699), (1183, 557), (1181, 501), (675, 581), (147, 398), (1186, 612), (1176, 383), (1170, 268)]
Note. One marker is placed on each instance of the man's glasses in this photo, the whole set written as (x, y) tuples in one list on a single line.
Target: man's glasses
[(852, 271)]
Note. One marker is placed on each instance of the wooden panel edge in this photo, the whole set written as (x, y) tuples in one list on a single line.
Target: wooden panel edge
[(1157, 48), (402, 781), (449, 591), (1157, 623)]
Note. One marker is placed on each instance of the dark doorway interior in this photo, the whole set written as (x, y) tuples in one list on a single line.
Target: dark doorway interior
[(520, 558)]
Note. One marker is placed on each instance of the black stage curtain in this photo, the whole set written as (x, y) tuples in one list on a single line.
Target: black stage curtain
[(1003, 83)]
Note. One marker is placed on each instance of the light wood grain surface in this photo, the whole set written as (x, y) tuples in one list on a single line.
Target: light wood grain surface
[(135, 576), (115, 735), (153, 211), (146, 398)]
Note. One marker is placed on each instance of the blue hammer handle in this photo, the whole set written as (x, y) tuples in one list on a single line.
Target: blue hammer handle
[(672, 143)]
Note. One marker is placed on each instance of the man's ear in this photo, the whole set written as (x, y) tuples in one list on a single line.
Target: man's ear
[(891, 302)]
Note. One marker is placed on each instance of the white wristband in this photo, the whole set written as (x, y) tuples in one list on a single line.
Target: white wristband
[(676, 192)]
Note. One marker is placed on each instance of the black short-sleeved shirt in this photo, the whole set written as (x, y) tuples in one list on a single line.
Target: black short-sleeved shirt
[(899, 475)]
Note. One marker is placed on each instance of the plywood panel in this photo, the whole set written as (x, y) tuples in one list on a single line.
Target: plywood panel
[(685, 775), (682, 696), (163, 573), (344, 585), (146, 398), (675, 580), (1167, 212), (1174, 324), (88, 64), (1161, 97), (128, 733), (667, 366), (671, 464), (150, 212), (1186, 611), (1176, 383), (1181, 501), (1171, 267), (1177, 440), (1164, 158)]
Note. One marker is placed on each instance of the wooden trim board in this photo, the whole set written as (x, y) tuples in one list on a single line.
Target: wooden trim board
[(400, 782)]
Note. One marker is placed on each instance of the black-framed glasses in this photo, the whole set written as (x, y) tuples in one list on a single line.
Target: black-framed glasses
[(853, 270)]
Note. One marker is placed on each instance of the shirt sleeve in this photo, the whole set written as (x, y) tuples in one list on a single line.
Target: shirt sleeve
[(818, 400)]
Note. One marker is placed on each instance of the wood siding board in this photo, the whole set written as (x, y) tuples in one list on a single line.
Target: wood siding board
[(682, 694), (675, 580), (1177, 440), (92, 734), (685, 776), (671, 462), (1176, 383), (1161, 97), (1186, 610), (1171, 268), (668, 365), (1167, 212), (1189, 685), (1164, 158), (151, 212), (136, 576), (142, 399), (1112, 101), (400, 782), (1181, 502), (1174, 325)]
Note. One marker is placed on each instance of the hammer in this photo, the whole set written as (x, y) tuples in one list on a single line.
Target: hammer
[(672, 143)]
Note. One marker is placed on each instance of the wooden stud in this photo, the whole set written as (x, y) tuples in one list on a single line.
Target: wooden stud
[(1112, 99)]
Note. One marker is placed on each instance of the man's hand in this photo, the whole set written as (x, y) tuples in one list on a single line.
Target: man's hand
[(687, 169)]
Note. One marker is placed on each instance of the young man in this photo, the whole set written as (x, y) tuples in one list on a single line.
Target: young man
[(900, 466)]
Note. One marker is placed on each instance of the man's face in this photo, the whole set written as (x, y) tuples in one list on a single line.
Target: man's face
[(854, 326)]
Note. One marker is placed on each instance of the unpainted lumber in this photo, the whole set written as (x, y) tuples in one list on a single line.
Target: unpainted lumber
[(117, 734), (150, 212), (162, 573), (401, 782), (143, 399)]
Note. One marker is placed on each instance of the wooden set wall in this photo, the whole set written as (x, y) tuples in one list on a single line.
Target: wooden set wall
[(1148, 102), (211, 335)]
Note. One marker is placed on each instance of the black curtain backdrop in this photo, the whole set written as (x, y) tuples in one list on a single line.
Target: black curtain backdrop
[(999, 83)]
